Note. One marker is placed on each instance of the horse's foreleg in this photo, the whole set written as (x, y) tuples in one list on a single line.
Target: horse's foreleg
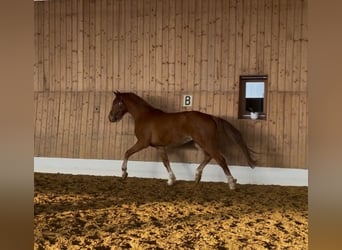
[(166, 162), (200, 168), (135, 148)]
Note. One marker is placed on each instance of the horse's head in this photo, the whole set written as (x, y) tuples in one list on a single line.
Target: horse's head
[(118, 108)]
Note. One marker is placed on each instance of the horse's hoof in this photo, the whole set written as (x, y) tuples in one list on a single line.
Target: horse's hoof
[(124, 175), (170, 182), (198, 176), (231, 182), (232, 185)]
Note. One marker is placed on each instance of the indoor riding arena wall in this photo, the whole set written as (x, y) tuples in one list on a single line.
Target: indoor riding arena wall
[(161, 50)]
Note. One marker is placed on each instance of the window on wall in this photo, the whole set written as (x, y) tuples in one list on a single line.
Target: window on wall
[(252, 99)]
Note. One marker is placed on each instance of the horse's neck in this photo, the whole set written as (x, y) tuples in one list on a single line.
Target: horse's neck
[(138, 107)]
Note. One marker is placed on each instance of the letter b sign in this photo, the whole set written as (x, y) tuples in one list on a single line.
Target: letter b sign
[(187, 100)]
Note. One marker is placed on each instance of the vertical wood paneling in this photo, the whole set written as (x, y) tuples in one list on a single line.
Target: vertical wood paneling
[(80, 45), (171, 46), (184, 39), (218, 48), (289, 46), (231, 51), (61, 123), (273, 76), (100, 110), (121, 43), (86, 45), (296, 46), (67, 121), (253, 26), (158, 47), (54, 120), (70, 146), (36, 52), (97, 131), (41, 120), (69, 39), (83, 124), (103, 43), (303, 130), (303, 53), (58, 46), (74, 44), (162, 49), (92, 45), (261, 15), (77, 127), (265, 136), (91, 126), (246, 35), (282, 55), (109, 136), (152, 48), (210, 50), (38, 123), (52, 54), (44, 85), (108, 49), (225, 16), (98, 38), (198, 46)]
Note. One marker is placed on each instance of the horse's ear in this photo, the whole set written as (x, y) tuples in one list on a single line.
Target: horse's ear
[(116, 93)]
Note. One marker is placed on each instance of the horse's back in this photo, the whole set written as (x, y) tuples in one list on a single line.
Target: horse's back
[(202, 126), (199, 126), (186, 119), (180, 127)]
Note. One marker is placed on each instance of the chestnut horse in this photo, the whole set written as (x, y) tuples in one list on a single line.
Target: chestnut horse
[(159, 129)]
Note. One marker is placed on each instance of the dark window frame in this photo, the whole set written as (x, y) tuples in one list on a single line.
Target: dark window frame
[(243, 113)]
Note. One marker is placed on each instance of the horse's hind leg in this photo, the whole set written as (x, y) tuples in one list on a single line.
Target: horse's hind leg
[(222, 162), (200, 168), (166, 162)]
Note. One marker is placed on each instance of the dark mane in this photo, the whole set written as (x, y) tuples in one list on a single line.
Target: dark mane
[(137, 99)]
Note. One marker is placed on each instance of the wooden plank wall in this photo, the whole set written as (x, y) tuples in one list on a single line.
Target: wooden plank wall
[(162, 49)]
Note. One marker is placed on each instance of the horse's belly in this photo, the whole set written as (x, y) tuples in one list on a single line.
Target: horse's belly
[(168, 139), (181, 140), (172, 130)]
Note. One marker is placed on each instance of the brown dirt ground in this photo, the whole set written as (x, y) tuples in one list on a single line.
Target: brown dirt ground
[(96, 212)]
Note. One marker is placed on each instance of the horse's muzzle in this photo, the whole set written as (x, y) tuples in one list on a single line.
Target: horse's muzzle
[(112, 118)]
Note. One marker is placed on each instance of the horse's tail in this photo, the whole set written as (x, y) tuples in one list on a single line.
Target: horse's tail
[(227, 129)]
